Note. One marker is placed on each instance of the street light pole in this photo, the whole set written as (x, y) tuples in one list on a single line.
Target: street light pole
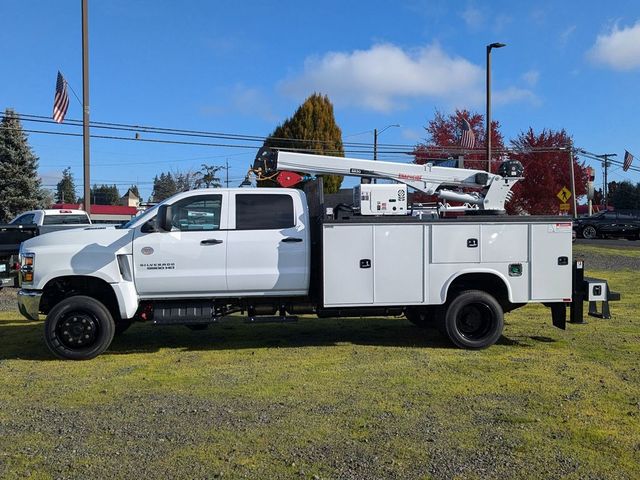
[(488, 119), (375, 142)]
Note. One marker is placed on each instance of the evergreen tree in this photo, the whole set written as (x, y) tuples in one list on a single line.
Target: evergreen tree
[(66, 188), (624, 195), (105, 195), (312, 129), (163, 187), (19, 182)]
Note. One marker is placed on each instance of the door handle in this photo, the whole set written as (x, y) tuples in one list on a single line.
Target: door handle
[(291, 239), (211, 241)]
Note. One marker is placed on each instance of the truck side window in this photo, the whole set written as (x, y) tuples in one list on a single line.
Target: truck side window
[(264, 212), (24, 219), (200, 213)]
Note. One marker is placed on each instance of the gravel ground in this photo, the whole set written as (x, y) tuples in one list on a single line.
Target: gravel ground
[(8, 299), (595, 261)]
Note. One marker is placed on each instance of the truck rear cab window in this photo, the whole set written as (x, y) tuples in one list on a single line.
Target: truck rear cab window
[(200, 213), (264, 212), (65, 220)]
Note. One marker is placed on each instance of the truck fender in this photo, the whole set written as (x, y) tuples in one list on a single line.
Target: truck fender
[(484, 271)]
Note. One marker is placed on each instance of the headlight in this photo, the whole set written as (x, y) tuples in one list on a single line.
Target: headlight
[(27, 263)]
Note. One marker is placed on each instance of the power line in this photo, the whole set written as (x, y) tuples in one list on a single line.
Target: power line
[(189, 133)]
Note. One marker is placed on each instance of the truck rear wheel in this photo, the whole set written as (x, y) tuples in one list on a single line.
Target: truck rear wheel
[(79, 328), (474, 320)]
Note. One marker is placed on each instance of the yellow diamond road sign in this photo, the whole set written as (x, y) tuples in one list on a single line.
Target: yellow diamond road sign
[(564, 195)]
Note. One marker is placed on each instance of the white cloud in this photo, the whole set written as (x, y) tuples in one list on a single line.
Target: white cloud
[(531, 77), (619, 49), (566, 33), (515, 94), (386, 77), (473, 17)]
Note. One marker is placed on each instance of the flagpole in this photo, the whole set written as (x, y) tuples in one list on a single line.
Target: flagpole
[(85, 105)]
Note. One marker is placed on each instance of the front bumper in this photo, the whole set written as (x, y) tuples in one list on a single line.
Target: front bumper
[(29, 303)]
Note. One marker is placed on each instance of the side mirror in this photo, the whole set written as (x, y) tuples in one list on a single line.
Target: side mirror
[(164, 217)]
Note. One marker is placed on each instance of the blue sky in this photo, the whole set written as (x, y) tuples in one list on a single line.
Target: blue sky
[(243, 67)]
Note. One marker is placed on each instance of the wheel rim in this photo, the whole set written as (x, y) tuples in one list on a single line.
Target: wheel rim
[(474, 322), (589, 232), (77, 330)]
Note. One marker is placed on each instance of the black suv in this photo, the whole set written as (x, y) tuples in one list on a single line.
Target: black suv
[(608, 224)]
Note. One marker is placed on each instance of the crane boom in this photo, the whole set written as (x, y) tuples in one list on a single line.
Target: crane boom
[(493, 190)]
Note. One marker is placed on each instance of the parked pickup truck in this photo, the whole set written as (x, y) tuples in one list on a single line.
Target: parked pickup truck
[(202, 255), (28, 225)]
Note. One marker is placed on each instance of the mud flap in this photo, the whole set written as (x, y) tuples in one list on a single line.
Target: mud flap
[(558, 314)]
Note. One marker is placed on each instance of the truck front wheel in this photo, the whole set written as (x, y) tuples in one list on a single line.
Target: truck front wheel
[(79, 328), (474, 320)]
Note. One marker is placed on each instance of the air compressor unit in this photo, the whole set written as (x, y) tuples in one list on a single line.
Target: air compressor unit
[(380, 199)]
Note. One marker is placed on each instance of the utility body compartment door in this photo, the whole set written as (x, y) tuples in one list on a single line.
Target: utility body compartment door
[(348, 264), (374, 264), (551, 261)]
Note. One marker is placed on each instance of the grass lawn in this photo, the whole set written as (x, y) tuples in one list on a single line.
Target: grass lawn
[(350, 398)]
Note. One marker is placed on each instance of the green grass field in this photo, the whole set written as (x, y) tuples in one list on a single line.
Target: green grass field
[(350, 398)]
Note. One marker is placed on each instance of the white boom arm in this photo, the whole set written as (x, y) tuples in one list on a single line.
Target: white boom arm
[(494, 190)]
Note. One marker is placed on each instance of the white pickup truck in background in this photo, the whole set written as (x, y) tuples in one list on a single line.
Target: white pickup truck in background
[(30, 224), (202, 255)]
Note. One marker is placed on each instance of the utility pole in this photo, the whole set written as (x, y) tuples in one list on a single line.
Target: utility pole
[(226, 162), (375, 143), (85, 106), (375, 149), (605, 168)]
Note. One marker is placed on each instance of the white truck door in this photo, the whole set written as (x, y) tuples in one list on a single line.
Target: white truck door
[(190, 260), (268, 246)]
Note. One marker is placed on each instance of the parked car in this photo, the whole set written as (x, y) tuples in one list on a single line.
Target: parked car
[(608, 224)]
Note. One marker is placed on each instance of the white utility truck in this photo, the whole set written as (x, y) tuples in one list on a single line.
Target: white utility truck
[(273, 253)]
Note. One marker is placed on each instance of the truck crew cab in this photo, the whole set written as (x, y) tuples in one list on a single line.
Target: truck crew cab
[(204, 254)]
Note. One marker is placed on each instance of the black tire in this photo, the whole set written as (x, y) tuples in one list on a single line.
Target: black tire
[(474, 320), (121, 326), (79, 328), (589, 232), (196, 327)]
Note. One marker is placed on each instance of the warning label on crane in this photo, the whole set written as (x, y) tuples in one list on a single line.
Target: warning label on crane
[(564, 194)]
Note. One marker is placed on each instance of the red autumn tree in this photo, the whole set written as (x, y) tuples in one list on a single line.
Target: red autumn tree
[(545, 158), (444, 137)]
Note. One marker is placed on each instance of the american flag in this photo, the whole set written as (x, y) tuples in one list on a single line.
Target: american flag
[(61, 100), (468, 139), (628, 158)]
